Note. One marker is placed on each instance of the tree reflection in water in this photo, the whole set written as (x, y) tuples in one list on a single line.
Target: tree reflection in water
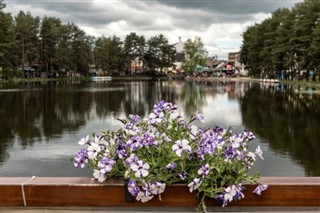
[(285, 116)]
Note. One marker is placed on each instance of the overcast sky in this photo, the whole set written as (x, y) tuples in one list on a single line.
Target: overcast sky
[(220, 23)]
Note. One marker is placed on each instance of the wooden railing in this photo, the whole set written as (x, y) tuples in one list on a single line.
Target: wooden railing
[(81, 192)]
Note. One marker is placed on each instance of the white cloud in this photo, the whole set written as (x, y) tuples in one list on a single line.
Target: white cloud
[(219, 23)]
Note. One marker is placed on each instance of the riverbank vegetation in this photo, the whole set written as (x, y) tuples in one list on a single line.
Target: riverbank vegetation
[(286, 45)]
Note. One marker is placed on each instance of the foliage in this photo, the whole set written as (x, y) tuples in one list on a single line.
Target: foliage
[(8, 57), (163, 149), (160, 54), (288, 40), (195, 54)]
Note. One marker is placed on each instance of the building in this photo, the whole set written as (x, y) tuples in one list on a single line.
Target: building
[(180, 54), (234, 60)]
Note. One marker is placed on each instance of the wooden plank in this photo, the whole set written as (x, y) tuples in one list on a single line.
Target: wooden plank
[(80, 191)]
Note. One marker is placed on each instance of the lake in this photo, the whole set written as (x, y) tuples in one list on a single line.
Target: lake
[(41, 122)]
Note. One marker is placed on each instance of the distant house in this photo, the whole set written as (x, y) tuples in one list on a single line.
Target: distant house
[(234, 60), (180, 55), (138, 65)]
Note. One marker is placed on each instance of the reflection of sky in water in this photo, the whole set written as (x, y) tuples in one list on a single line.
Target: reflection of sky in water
[(218, 107), (54, 154)]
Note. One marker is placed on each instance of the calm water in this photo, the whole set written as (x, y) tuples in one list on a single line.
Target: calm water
[(41, 123)]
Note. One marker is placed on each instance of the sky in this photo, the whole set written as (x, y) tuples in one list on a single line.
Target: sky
[(219, 23)]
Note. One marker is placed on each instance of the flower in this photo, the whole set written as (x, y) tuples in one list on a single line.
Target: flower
[(84, 140), (157, 188), (180, 146), (203, 170), (259, 152), (140, 168), (163, 148), (133, 188), (194, 184), (199, 116), (105, 165), (171, 166), (260, 189), (81, 158), (93, 150)]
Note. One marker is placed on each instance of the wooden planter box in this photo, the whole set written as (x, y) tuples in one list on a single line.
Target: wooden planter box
[(84, 192)]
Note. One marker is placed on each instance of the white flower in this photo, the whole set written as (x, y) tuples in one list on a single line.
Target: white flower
[(194, 184), (180, 146), (157, 188), (99, 176), (93, 150), (140, 168), (259, 152), (97, 139), (193, 131), (143, 197), (230, 192), (84, 140)]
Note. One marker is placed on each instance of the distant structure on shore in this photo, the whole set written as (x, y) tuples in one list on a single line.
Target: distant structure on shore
[(180, 54)]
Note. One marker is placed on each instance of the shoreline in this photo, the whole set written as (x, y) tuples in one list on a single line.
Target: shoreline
[(146, 78)]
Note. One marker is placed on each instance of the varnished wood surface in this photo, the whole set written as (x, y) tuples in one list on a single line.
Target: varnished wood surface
[(80, 191)]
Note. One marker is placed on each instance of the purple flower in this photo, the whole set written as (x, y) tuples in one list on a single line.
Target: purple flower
[(134, 143), (171, 166), (260, 188), (105, 165), (134, 118), (147, 140), (121, 151), (239, 195), (194, 184), (233, 192), (199, 116), (132, 159), (249, 134), (133, 188), (140, 168), (221, 200), (229, 153), (182, 175), (203, 170), (81, 158)]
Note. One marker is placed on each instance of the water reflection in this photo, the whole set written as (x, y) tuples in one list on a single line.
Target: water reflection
[(41, 122), (288, 119)]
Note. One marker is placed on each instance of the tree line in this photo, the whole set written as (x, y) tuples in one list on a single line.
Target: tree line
[(287, 42), (49, 46)]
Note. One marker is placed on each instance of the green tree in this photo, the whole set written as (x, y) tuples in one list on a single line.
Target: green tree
[(195, 54), (81, 48), (251, 48), (134, 46), (108, 54), (8, 61), (27, 30), (50, 35), (160, 54), (314, 52)]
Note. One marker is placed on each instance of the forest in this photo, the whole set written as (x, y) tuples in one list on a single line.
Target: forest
[(288, 41), (46, 47), (285, 44)]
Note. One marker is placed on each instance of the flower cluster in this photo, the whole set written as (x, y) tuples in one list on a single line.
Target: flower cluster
[(163, 148)]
